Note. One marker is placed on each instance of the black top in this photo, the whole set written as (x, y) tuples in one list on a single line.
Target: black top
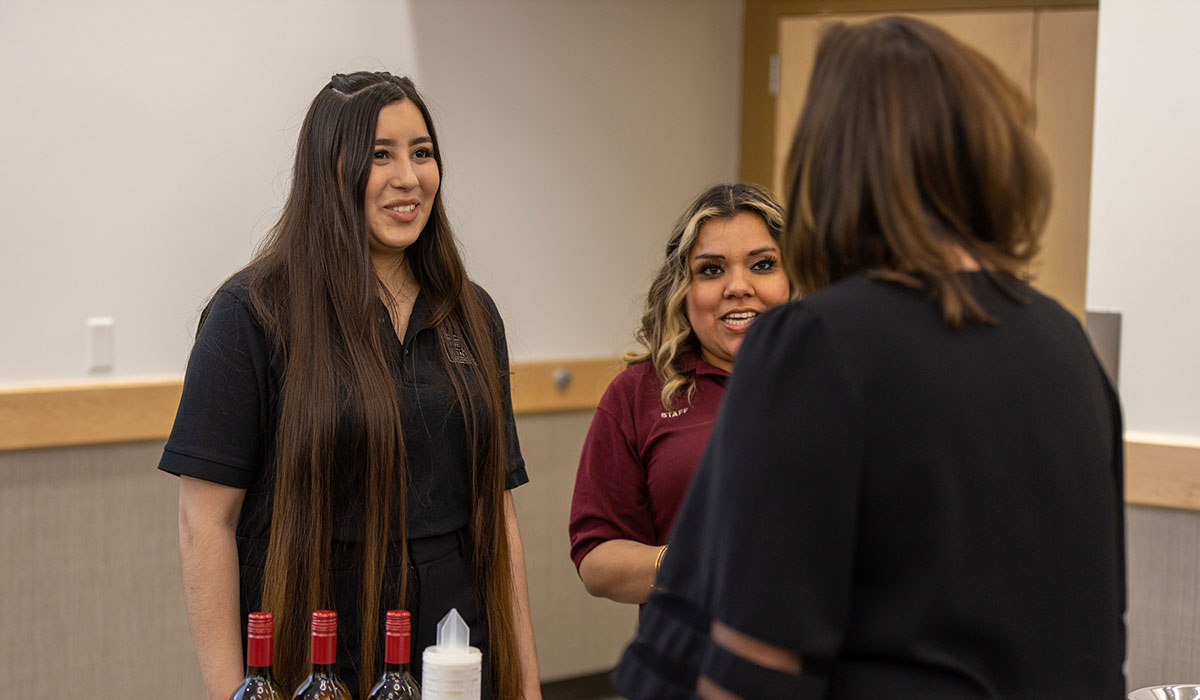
[(224, 430), (918, 512)]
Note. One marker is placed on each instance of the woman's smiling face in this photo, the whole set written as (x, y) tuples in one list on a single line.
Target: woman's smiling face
[(735, 275), (403, 182)]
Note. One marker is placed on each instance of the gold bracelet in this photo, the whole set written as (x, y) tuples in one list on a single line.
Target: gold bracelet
[(658, 560)]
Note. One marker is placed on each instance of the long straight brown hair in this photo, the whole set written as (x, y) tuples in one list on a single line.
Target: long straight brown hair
[(912, 146), (316, 290)]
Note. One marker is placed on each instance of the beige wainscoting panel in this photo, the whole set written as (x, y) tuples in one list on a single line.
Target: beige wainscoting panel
[(91, 595), (576, 634), (90, 591), (1164, 600)]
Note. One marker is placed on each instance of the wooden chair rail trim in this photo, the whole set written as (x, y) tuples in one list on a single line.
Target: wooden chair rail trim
[(98, 413), (1159, 472), (1164, 473)]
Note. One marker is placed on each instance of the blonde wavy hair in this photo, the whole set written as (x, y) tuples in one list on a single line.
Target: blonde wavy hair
[(665, 332)]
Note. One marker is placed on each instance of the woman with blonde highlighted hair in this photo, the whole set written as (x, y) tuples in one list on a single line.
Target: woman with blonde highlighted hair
[(722, 268)]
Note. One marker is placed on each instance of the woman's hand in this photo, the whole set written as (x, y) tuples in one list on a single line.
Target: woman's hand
[(621, 570)]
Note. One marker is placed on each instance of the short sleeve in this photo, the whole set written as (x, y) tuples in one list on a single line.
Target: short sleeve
[(765, 539), (218, 434), (611, 496), (516, 474)]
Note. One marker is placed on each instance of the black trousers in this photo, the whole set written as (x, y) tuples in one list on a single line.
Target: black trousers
[(439, 579)]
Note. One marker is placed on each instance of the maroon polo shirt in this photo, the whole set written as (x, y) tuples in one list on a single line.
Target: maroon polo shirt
[(638, 458)]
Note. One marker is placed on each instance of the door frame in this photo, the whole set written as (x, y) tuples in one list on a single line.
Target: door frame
[(760, 40)]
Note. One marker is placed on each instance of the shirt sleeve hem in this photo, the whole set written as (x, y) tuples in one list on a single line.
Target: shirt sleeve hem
[(516, 477), (181, 464), (583, 550)]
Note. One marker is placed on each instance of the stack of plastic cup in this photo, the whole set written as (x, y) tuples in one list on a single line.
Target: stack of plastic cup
[(453, 669)]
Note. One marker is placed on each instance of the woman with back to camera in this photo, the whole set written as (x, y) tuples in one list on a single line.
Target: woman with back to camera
[(345, 438), (721, 270), (914, 488)]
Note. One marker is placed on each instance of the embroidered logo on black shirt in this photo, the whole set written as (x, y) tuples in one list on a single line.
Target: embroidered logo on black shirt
[(456, 352)]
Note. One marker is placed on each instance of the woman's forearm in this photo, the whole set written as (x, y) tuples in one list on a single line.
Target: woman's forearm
[(208, 552), (620, 570), (526, 650)]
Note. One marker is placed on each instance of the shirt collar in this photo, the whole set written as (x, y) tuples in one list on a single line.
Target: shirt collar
[(693, 363), (418, 319)]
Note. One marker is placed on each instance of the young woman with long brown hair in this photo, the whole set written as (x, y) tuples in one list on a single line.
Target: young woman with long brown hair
[(345, 439), (914, 486)]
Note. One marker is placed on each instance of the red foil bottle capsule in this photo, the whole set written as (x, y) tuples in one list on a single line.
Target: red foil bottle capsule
[(259, 683), (397, 682), (323, 683)]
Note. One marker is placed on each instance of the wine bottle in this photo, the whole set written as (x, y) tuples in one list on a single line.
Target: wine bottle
[(323, 683), (260, 682), (396, 683)]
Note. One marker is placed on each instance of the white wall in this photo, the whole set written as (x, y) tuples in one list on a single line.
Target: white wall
[(146, 149), (1145, 218)]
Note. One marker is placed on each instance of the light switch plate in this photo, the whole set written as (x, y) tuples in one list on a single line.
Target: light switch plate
[(100, 344)]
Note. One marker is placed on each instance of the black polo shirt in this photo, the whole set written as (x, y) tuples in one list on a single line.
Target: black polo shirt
[(224, 430)]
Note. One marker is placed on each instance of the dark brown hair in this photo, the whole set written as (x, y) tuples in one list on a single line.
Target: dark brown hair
[(665, 332), (314, 286), (912, 147)]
